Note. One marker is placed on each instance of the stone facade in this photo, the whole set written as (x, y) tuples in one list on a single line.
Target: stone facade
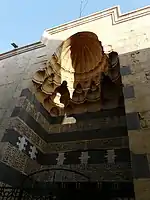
[(31, 139)]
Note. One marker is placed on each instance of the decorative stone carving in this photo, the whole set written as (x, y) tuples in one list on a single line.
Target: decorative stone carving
[(84, 157), (33, 152), (111, 156), (75, 73), (60, 159), (22, 143), (27, 132), (14, 158)]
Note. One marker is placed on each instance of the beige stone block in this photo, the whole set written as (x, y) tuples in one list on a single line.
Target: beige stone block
[(7, 92), (136, 142), (23, 84), (139, 141), (33, 68), (140, 55), (142, 89), (12, 68), (142, 189), (140, 66), (137, 104), (135, 79), (138, 60)]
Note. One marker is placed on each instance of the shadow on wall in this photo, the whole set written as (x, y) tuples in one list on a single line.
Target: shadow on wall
[(94, 77)]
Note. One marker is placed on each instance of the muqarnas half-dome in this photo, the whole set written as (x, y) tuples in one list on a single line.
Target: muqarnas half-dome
[(80, 62)]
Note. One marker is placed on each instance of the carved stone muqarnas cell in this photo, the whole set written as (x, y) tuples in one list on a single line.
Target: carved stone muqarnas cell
[(79, 77)]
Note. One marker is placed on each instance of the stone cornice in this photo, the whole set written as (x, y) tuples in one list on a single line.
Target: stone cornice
[(21, 50), (114, 12)]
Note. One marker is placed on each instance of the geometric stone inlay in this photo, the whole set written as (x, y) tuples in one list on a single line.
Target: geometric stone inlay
[(84, 157), (110, 156), (128, 92), (133, 122), (60, 159), (33, 152), (13, 157), (22, 143), (140, 166), (125, 70)]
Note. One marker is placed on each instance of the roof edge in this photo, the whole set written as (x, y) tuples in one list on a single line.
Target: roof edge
[(115, 12), (21, 50)]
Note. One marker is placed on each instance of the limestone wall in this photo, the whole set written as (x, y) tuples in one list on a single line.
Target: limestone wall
[(16, 70), (139, 139), (123, 32)]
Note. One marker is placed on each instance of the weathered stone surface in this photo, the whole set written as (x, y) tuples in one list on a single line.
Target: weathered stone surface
[(128, 92), (131, 40), (31, 166), (140, 166), (127, 36), (95, 172), (140, 104), (125, 70), (144, 119), (88, 144), (14, 77), (7, 96), (10, 175), (135, 79), (133, 121), (23, 129), (139, 141), (3, 126), (88, 125), (2, 112), (142, 189), (13, 157), (31, 109)]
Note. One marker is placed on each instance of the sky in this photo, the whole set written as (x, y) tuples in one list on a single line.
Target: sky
[(24, 21)]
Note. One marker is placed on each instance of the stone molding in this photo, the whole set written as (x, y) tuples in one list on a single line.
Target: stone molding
[(115, 13), (21, 50)]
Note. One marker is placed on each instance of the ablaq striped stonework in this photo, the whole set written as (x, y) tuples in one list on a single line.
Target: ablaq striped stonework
[(93, 143)]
